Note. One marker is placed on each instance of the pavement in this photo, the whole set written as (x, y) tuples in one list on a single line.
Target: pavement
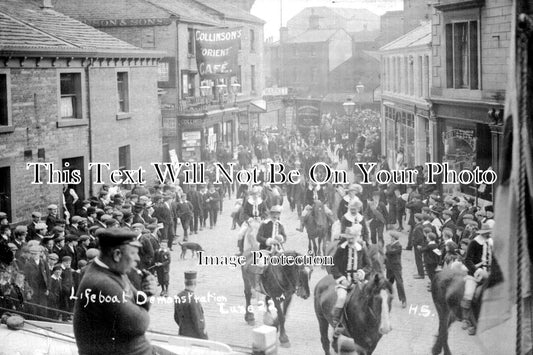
[(414, 328)]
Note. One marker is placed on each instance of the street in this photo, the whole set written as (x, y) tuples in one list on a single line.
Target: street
[(413, 330)]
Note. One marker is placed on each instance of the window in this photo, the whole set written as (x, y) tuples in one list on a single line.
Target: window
[(191, 42), (5, 191), (411, 76), (124, 159), (187, 83), (420, 84), (252, 41), (462, 55), (123, 92), (70, 86), (4, 100), (253, 78), (426, 76), (162, 71), (239, 78)]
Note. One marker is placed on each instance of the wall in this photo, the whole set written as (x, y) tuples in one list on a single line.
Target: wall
[(141, 130), (35, 110)]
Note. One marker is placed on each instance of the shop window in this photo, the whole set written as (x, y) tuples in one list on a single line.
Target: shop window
[(5, 191), (70, 88), (462, 55), (123, 92), (188, 83), (166, 74)]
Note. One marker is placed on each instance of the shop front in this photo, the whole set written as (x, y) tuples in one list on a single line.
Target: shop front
[(406, 128), (466, 143), (201, 135)]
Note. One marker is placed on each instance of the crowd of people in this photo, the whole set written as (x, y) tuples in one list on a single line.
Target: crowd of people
[(44, 261)]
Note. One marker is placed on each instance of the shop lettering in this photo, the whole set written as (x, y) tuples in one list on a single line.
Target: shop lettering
[(218, 36), (129, 22), (206, 68)]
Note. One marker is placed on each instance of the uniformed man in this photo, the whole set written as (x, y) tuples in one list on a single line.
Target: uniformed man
[(188, 312), (118, 323)]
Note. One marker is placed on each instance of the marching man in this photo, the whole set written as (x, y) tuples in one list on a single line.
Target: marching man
[(351, 265)]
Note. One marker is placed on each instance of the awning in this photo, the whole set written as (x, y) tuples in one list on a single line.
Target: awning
[(258, 106)]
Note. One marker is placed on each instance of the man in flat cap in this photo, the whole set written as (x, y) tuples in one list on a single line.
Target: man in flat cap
[(38, 276), (71, 242), (419, 239), (393, 263), (447, 221), (114, 327), (415, 206), (35, 218), (53, 217), (188, 312)]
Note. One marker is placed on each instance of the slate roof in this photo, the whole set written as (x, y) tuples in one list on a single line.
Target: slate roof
[(84, 10), (25, 26), (230, 11), (313, 36), (188, 12), (420, 36)]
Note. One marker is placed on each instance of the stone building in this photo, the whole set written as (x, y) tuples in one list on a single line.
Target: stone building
[(197, 120), (471, 40), (405, 84), (69, 95)]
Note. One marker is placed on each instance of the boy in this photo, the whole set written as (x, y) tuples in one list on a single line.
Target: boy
[(162, 264), (431, 253), (393, 264), (55, 296)]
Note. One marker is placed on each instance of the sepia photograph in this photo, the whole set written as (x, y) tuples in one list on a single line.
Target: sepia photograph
[(266, 177)]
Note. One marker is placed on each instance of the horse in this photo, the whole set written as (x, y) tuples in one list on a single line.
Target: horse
[(447, 291), (317, 222), (366, 316), (272, 195), (280, 283)]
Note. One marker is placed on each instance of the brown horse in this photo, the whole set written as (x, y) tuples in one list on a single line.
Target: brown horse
[(366, 316), (317, 223), (280, 283), (447, 291)]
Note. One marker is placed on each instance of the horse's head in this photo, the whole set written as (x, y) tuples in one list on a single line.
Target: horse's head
[(319, 213), (377, 258), (379, 293)]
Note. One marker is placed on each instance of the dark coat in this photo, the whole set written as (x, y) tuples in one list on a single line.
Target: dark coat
[(212, 200), (393, 252), (38, 276), (348, 220), (474, 255), (66, 251), (116, 328), (431, 254), (378, 216), (415, 207), (248, 210), (340, 261), (189, 315), (265, 232)]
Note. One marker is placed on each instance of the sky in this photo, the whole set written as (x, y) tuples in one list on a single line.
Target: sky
[(269, 10)]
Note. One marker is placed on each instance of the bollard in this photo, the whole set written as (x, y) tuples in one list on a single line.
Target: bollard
[(264, 341)]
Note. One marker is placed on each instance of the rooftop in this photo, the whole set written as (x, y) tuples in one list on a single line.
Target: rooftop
[(230, 11), (420, 36), (313, 36), (25, 26)]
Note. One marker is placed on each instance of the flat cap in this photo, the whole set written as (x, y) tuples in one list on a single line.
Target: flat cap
[(419, 216), (41, 225), (83, 238), (36, 214), (152, 227), (57, 267), (275, 209), (138, 225), (71, 238), (92, 253), (21, 229), (468, 216), (66, 258), (53, 256), (109, 222), (52, 207), (117, 236), (395, 234), (447, 213), (76, 219), (59, 239)]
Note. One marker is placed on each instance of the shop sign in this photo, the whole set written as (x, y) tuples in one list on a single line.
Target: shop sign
[(275, 91), (138, 22), (169, 126), (217, 51), (465, 135), (308, 112)]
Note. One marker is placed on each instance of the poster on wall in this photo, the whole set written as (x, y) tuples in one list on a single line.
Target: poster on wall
[(216, 52)]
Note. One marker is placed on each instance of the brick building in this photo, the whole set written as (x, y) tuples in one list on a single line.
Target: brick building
[(69, 94), (471, 40), (194, 122), (405, 84)]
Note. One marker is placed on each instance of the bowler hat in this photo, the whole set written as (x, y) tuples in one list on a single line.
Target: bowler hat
[(111, 237)]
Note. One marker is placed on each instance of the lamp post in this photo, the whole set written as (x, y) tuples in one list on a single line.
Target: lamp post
[(349, 108), (359, 88)]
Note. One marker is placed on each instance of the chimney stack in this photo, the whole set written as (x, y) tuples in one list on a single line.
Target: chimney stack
[(47, 4)]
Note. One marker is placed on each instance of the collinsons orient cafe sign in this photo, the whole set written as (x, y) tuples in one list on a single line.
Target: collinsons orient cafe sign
[(216, 52)]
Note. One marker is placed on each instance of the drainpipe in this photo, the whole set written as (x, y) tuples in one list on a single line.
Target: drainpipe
[(87, 76)]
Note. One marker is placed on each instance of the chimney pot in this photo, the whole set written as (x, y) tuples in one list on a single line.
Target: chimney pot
[(47, 4)]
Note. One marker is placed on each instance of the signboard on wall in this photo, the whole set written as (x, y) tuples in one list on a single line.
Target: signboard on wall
[(216, 52), (308, 112)]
